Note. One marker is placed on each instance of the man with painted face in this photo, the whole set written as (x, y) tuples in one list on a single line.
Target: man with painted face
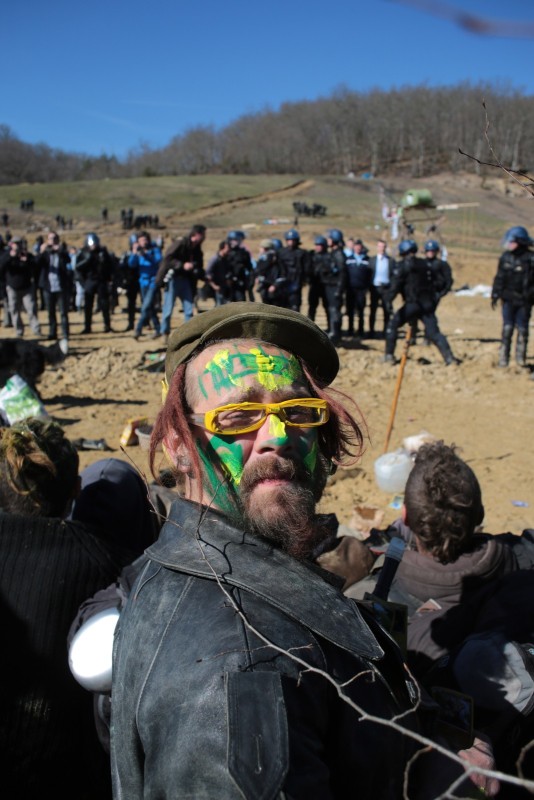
[(240, 668)]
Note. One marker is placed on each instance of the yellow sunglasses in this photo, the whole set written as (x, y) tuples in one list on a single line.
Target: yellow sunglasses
[(301, 412)]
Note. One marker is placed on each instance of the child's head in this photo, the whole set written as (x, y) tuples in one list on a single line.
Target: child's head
[(38, 469), (443, 502)]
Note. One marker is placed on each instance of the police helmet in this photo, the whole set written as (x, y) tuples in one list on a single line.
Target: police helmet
[(407, 246), (234, 236), (92, 240), (336, 235), (292, 235), (517, 234), (320, 240), (277, 244), (431, 244)]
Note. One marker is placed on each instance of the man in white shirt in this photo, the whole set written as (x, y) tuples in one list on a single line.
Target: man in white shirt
[(381, 270)]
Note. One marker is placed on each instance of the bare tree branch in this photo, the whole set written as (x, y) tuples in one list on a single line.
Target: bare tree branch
[(498, 164)]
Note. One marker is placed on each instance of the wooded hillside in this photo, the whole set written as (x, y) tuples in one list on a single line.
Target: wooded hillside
[(416, 131)]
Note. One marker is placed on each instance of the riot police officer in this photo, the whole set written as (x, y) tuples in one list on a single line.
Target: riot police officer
[(514, 286), (271, 280), (441, 268), (240, 268), (330, 272), (94, 269), (419, 285), (295, 263)]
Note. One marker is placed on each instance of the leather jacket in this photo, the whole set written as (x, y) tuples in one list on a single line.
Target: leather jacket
[(207, 702)]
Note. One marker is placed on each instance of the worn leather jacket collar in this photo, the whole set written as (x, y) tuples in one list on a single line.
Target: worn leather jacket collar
[(199, 541)]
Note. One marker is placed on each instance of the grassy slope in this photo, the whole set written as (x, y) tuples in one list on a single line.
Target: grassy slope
[(472, 235)]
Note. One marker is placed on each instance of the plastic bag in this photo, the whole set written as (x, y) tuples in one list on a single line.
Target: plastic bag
[(18, 401)]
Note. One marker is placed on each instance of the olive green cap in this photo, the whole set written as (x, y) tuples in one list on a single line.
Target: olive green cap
[(283, 327)]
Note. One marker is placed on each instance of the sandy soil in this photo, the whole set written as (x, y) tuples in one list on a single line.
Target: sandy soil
[(485, 411)]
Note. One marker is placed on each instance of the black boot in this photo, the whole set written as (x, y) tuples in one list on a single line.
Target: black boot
[(445, 349), (506, 343), (521, 348)]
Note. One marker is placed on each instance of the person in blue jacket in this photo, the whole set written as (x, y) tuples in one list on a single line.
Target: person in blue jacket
[(146, 258)]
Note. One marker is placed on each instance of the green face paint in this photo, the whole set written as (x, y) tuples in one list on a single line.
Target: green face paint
[(229, 370), (230, 454), (277, 429), (310, 458), (214, 484), (225, 452)]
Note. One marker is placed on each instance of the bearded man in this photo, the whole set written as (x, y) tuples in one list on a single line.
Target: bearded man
[(240, 668)]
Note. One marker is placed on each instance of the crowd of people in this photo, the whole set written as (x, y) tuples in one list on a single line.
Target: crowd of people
[(353, 286), (253, 653)]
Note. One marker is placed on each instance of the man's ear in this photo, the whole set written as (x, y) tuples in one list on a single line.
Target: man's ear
[(404, 515), (176, 453)]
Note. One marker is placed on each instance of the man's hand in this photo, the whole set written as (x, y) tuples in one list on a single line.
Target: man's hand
[(480, 754), (188, 266), (494, 301)]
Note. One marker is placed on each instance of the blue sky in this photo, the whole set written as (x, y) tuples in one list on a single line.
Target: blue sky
[(106, 76)]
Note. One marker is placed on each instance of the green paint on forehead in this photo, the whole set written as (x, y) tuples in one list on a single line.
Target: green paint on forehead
[(228, 370)]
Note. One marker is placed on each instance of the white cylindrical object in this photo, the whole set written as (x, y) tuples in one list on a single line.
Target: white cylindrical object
[(91, 650), (392, 470)]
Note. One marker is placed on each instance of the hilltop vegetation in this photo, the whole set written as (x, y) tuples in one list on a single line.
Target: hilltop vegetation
[(414, 131)]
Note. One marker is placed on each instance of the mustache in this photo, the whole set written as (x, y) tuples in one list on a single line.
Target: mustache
[(274, 469)]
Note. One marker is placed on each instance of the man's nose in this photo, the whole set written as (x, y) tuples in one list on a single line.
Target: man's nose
[(273, 434)]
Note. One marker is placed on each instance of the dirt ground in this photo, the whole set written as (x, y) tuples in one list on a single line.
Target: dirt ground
[(487, 412)]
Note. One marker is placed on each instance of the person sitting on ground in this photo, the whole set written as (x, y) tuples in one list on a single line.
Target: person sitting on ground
[(445, 559), (48, 566)]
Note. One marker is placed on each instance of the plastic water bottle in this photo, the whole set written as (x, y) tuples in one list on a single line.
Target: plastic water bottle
[(392, 470)]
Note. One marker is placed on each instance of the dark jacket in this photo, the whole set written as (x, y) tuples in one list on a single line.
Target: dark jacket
[(94, 267), (329, 269), (180, 252), (417, 282), (45, 263), (442, 276), (208, 705), (514, 281), (270, 274), (19, 274), (358, 271), (240, 268), (296, 265), (48, 739), (454, 591)]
